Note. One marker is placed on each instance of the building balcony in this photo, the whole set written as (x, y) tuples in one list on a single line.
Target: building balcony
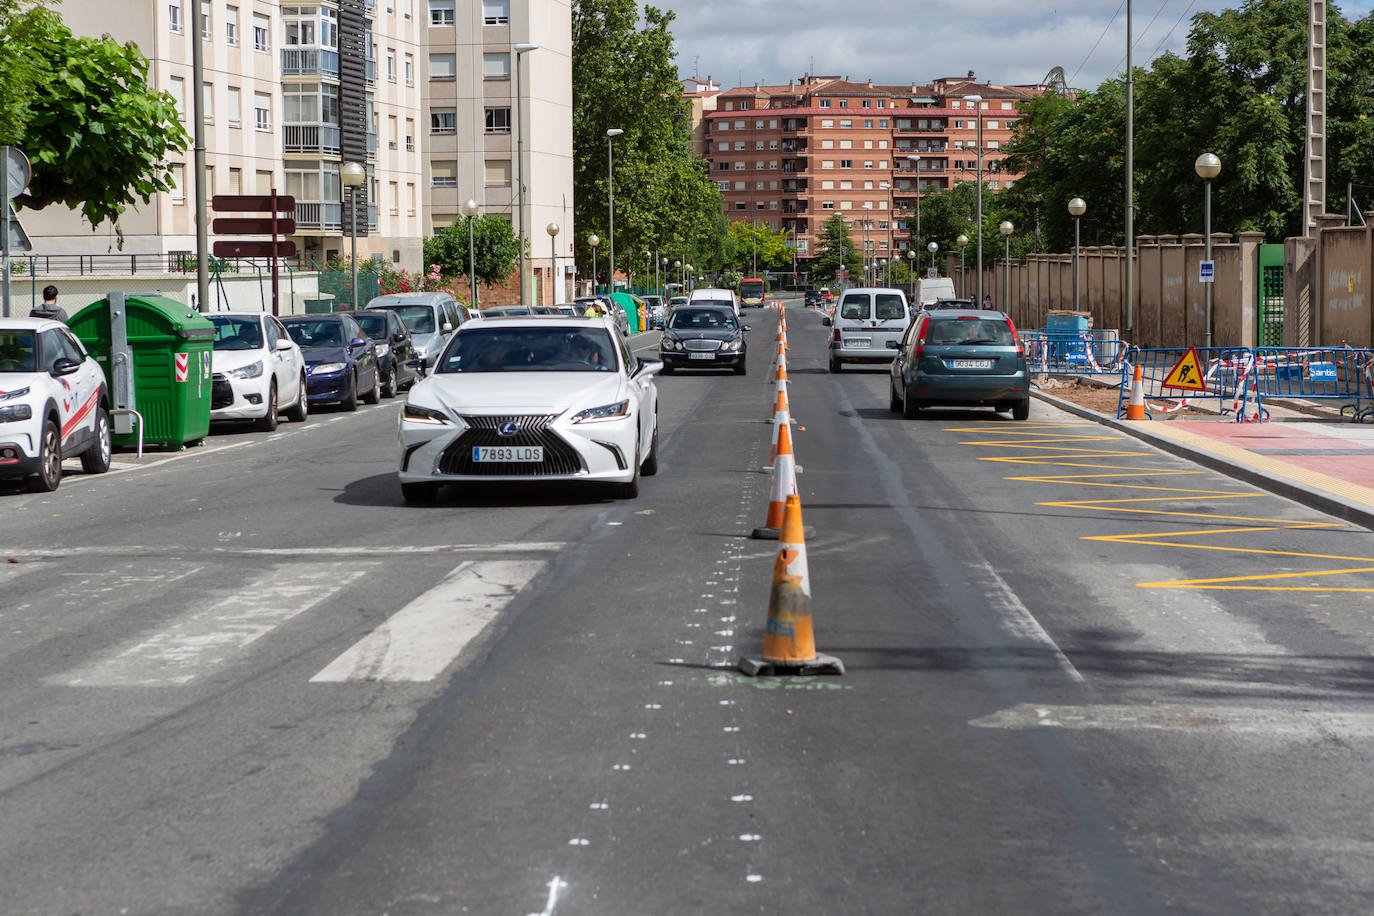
[(372, 144), (795, 185), (310, 62), (372, 71), (794, 146), (370, 8), (792, 127), (319, 215), (310, 138), (913, 129)]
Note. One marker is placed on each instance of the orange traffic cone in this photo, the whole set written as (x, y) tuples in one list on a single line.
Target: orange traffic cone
[(1135, 410), (789, 642), (784, 485), (780, 377), (779, 419)]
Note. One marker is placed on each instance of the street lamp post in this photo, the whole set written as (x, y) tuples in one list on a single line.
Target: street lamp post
[(470, 210), (932, 248), (593, 240), (911, 255), (977, 101), (519, 50), (611, 134), (962, 241), (1207, 166), (352, 174), (1006, 229), (681, 277), (552, 230), (1077, 207), (688, 274), (916, 170)]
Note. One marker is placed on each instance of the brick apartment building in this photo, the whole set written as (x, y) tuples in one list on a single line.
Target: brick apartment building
[(791, 156)]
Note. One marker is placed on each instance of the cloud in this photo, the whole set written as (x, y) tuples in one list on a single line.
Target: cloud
[(1003, 41)]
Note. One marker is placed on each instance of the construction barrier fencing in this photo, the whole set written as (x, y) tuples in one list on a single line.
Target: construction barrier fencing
[(1229, 378), (1316, 374), (1062, 350)]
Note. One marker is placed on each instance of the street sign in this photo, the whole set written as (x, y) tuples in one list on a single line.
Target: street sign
[(1186, 374), (256, 225), (252, 203), (19, 239), (1206, 271), (284, 248), (17, 172), (932, 273)]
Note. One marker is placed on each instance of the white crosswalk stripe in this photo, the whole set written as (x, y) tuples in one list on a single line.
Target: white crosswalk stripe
[(422, 639)]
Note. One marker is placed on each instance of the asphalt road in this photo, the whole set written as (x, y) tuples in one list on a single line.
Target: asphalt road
[(1083, 677)]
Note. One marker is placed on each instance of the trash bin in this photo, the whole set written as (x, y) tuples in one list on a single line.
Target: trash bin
[(1065, 320), (156, 353)]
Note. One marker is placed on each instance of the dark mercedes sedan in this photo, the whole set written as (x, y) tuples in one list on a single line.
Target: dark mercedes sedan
[(703, 337)]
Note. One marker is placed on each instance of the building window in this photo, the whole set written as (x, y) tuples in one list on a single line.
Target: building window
[(410, 198), (207, 31), (846, 163), (174, 18), (391, 65), (882, 123), (722, 125), (410, 69), (759, 205), (441, 12), (443, 67), (235, 181), (231, 25), (498, 121), (773, 165), (498, 173), (410, 135), (825, 103), (844, 103), (723, 185), (827, 205), (868, 123), (739, 144), (494, 66), (992, 125), (772, 144), (827, 122), (827, 163), (178, 93), (739, 166), (392, 129), (262, 111), (722, 166), (868, 163), (443, 174), (178, 183), (495, 12), (958, 125), (868, 144), (846, 205), (207, 103), (758, 144), (846, 185), (444, 120), (394, 194), (845, 123), (758, 125), (262, 33), (846, 144), (744, 105), (882, 103), (773, 124), (828, 185), (723, 146), (232, 115), (867, 103), (739, 186), (739, 125), (827, 144)]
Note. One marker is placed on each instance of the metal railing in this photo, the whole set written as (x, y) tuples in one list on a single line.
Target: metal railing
[(1228, 377), (1317, 374), (1055, 350), (310, 138), (322, 215), (310, 62)]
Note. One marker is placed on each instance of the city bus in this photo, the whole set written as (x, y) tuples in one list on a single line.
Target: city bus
[(752, 291)]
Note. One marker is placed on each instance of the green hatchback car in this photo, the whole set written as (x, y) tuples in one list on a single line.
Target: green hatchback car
[(960, 358)]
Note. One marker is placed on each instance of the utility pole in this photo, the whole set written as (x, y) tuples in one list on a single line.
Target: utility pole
[(1314, 161)]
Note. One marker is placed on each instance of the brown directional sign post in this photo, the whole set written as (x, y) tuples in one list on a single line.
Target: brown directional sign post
[(272, 225)]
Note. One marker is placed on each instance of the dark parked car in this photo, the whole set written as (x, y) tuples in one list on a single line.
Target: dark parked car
[(813, 298), (341, 363), (960, 358), (703, 337), (391, 344)]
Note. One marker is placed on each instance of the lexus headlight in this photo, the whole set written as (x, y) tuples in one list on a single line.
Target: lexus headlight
[(11, 395), (414, 413), (252, 370), (328, 368), (608, 412)]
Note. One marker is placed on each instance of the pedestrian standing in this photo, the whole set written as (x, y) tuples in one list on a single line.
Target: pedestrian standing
[(987, 302), (49, 309)]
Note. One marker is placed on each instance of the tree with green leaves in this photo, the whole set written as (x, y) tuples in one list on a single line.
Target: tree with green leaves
[(624, 78), (495, 249), (98, 136), (751, 241), (835, 248)]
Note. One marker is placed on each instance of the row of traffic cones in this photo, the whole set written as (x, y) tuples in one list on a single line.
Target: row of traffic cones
[(789, 642)]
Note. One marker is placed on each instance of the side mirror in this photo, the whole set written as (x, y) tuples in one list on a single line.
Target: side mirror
[(283, 343), (647, 366), (448, 327), (357, 342), (398, 337), (64, 365)]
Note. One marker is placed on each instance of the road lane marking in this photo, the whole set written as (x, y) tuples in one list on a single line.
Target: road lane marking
[(1020, 622), (419, 641), (203, 640), (1298, 724), (361, 550)]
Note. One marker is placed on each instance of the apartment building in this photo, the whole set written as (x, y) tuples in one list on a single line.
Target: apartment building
[(701, 95), (498, 103), (791, 156)]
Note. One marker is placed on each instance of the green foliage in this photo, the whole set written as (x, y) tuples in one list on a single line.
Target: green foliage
[(729, 278), (21, 24), (773, 252), (495, 249), (98, 137), (835, 248), (623, 77)]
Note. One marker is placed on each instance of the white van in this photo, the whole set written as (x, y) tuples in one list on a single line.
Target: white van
[(933, 288), (716, 297), (868, 326)]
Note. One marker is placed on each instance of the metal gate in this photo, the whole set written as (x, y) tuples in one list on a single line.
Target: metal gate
[(1269, 309)]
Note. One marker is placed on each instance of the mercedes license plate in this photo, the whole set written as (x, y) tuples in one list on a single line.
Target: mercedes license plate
[(701, 355), (863, 342), (508, 453), (970, 364)]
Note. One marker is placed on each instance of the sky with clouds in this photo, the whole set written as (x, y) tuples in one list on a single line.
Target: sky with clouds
[(740, 42)]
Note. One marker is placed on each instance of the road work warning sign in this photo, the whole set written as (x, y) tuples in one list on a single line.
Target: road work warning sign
[(1186, 374)]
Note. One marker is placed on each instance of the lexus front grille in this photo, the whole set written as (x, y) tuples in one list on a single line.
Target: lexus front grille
[(560, 458)]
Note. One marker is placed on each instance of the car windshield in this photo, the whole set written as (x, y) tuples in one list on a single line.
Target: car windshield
[(854, 307), (373, 325), (236, 333), (542, 349), (886, 305), (319, 333), (969, 332), (18, 351), (703, 319), (419, 318)]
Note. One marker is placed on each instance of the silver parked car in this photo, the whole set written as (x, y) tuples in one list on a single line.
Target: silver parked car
[(431, 318)]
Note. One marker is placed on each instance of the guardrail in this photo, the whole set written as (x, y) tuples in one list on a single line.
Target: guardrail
[(1061, 350), (1228, 377)]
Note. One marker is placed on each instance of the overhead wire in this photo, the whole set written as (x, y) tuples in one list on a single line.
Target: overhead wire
[(1093, 49), (1136, 44), (1167, 35)]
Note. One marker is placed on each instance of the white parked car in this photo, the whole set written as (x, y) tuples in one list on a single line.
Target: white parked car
[(520, 399), (712, 296), (257, 370), (53, 403)]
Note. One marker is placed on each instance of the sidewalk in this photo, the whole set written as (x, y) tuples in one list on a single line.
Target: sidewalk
[(1319, 461)]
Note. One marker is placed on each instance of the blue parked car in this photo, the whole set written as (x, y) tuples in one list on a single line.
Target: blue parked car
[(340, 362)]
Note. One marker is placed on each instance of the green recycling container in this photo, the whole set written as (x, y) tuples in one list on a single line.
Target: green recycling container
[(171, 346)]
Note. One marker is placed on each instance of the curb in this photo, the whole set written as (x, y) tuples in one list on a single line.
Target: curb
[(1315, 499)]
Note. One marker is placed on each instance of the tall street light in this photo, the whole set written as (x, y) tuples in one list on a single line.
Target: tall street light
[(593, 240), (961, 241), (887, 186), (611, 134), (519, 50), (916, 170), (1207, 166), (1006, 229), (977, 101), (352, 174), (552, 230), (470, 210), (932, 248), (681, 277), (911, 255), (1077, 207)]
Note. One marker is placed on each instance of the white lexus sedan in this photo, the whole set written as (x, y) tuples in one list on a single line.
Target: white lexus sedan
[(524, 399)]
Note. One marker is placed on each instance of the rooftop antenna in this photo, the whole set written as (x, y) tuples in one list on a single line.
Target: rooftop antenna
[(696, 67)]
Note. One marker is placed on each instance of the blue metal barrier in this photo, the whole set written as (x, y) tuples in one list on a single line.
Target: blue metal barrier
[(1064, 350), (1316, 374), (1228, 374)]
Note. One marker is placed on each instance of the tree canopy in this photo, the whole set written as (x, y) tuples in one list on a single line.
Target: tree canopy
[(835, 248), (494, 247), (97, 135)]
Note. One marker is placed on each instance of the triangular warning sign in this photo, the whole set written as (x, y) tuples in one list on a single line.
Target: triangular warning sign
[(1186, 374)]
